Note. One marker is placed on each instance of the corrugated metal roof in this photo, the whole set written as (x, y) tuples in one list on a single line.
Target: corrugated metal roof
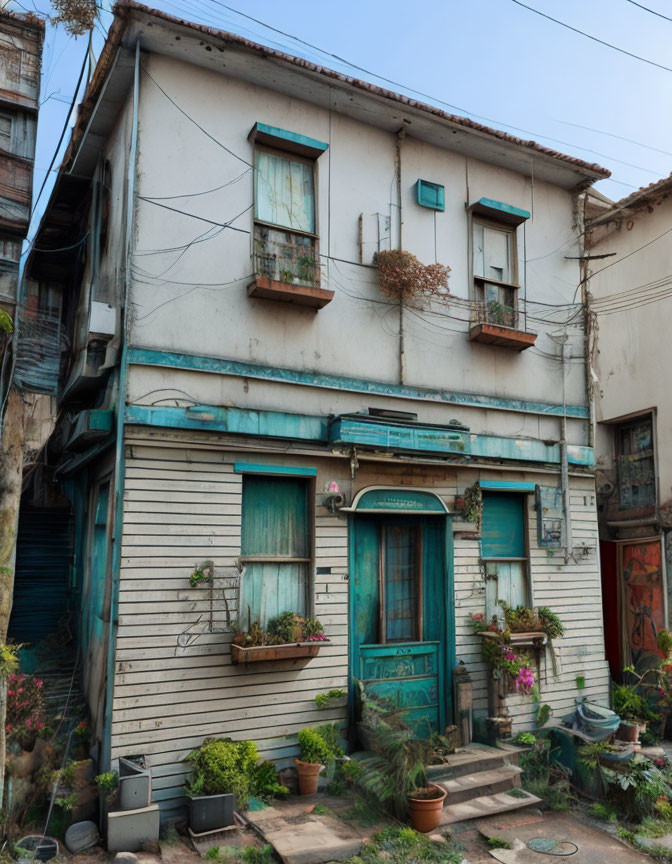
[(41, 584)]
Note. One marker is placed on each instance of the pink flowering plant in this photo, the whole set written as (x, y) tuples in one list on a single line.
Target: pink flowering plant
[(26, 717)]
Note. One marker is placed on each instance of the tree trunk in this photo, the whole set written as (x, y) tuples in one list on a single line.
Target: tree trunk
[(11, 473)]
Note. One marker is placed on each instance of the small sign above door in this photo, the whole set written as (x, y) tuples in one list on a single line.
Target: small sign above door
[(383, 499)]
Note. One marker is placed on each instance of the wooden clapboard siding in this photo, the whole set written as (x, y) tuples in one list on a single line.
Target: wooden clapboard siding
[(181, 506), (571, 590)]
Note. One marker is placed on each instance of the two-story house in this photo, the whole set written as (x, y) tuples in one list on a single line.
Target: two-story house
[(242, 395), (628, 282)]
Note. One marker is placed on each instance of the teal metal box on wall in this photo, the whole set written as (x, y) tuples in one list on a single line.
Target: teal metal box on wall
[(431, 195), (398, 436)]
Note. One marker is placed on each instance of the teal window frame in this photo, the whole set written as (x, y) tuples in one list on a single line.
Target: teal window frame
[(507, 556), (277, 548)]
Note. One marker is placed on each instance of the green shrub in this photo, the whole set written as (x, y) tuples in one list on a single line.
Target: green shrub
[(265, 783), (313, 747), (220, 766)]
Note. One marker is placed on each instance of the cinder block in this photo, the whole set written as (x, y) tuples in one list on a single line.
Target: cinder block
[(128, 830)]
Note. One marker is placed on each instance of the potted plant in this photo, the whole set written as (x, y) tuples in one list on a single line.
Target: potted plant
[(631, 707), (222, 778), (395, 774), (317, 747), (287, 637)]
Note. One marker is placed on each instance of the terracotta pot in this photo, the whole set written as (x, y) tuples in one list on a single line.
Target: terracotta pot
[(426, 811), (628, 732), (308, 775)]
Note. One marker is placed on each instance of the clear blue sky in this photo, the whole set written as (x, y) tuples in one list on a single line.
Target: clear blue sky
[(490, 59)]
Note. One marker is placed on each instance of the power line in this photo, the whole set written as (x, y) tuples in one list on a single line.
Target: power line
[(435, 99), (617, 137), (593, 38), (63, 131), (202, 218), (191, 119), (650, 11)]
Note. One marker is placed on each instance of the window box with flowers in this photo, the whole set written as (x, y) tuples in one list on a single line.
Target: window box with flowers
[(288, 637), (503, 647)]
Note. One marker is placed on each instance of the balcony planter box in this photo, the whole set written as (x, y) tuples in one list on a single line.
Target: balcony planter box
[(505, 337), (269, 653), (287, 292), (210, 812)]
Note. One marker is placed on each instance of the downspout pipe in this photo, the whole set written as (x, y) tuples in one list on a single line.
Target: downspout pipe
[(401, 134), (564, 461), (119, 461)]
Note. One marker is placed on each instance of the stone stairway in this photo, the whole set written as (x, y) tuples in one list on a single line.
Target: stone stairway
[(481, 781)]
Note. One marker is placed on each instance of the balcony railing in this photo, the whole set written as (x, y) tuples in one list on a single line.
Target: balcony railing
[(495, 318), (494, 312), (285, 257), (287, 268)]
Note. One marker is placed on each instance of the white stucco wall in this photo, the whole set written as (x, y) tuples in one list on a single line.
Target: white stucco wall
[(196, 301), (633, 330)]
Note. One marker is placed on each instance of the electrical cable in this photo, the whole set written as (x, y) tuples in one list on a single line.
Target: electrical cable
[(650, 11), (196, 194), (201, 218), (198, 125), (63, 131), (427, 96), (593, 38)]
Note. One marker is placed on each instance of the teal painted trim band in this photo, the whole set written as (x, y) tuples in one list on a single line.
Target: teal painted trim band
[(270, 424), (298, 427), (528, 450), (249, 468), (293, 137), (506, 486), (221, 366), (508, 209)]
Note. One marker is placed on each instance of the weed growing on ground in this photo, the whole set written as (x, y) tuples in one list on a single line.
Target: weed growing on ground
[(406, 846), (362, 814), (236, 855), (603, 812), (498, 843)]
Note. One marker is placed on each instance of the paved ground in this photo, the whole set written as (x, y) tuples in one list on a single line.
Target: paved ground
[(595, 846)]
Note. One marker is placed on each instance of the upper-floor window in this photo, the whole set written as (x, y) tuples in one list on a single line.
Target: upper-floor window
[(285, 239), (635, 464), (285, 191), (495, 276), (5, 131)]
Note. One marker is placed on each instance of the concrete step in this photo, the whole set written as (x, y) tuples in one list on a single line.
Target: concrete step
[(487, 805), (471, 760), (481, 783)]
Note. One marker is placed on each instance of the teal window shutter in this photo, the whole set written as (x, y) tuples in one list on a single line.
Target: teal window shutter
[(503, 531), (275, 548)]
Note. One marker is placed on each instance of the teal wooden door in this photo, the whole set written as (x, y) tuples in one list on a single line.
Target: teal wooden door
[(402, 616)]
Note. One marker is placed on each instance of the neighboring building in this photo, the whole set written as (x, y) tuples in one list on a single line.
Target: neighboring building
[(21, 38), (233, 362), (630, 296)]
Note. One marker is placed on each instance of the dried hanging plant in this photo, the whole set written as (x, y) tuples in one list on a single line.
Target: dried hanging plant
[(402, 276), (77, 16)]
